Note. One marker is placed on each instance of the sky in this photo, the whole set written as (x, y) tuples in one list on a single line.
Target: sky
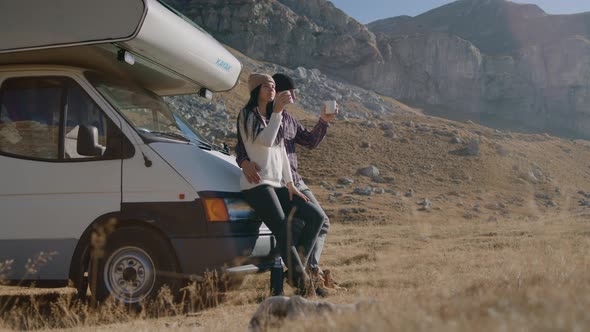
[(366, 11)]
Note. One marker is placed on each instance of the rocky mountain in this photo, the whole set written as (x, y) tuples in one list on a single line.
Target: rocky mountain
[(501, 63), (216, 119), (496, 27), (310, 33), (493, 61)]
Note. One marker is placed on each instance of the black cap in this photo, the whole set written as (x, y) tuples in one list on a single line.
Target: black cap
[(283, 82)]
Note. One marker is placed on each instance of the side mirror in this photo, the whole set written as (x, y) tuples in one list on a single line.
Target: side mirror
[(88, 142)]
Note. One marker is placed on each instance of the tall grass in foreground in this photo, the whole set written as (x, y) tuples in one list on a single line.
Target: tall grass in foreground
[(424, 275), (49, 311)]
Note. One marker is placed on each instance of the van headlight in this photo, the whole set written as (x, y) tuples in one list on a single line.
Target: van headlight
[(227, 209)]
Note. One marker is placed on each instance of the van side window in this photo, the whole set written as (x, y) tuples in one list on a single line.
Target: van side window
[(30, 114), (53, 118)]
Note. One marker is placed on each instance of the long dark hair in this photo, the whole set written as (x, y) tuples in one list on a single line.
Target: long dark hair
[(250, 110)]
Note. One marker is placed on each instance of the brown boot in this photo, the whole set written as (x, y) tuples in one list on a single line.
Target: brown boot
[(318, 282), (329, 281)]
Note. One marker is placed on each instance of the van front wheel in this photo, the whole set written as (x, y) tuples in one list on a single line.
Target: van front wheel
[(134, 266)]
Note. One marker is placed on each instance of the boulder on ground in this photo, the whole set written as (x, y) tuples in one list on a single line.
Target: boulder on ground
[(273, 310), (369, 171)]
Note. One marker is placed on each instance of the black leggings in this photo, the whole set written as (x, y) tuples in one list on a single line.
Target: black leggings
[(273, 206)]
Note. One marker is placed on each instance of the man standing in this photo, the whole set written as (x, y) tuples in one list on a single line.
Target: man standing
[(295, 133)]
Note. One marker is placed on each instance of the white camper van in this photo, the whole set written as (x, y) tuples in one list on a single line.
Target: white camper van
[(91, 157)]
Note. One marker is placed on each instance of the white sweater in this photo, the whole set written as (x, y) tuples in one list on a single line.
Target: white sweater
[(270, 157)]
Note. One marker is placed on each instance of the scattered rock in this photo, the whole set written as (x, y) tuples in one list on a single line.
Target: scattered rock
[(583, 193), (409, 193), (529, 177), (352, 210), (551, 204), (426, 205), (379, 179), (345, 181), (386, 126), (538, 173), (494, 207), (423, 129), (365, 145), (274, 309), (389, 179), (326, 185), (469, 215), (456, 140), (472, 149), (301, 72), (363, 191), (389, 134), (443, 133), (454, 193), (542, 196), (369, 171)]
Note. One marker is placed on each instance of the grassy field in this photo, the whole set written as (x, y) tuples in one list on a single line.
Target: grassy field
[(528, 275)]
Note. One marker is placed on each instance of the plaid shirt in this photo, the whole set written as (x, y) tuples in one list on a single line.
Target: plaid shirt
[(294, 133)]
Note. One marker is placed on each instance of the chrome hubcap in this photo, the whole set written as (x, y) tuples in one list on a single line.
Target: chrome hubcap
[(130, 274)]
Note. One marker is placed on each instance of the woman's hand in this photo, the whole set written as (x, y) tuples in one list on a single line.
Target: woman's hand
[(283, 99), (250, 170), (295, 191)]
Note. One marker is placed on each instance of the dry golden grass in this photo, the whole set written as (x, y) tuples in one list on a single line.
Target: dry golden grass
[(462, 276)]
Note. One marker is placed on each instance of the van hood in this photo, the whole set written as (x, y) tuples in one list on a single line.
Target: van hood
[(204, 170)]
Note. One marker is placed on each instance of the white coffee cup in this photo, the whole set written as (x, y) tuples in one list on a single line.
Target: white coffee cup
[(330, 106), (288, 93)]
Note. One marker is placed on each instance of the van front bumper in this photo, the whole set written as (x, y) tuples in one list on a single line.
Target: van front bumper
[(243, 254)]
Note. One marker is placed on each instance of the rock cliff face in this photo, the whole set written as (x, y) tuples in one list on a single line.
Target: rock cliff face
[(309, 33), (514, 65), (433, 68), (498, 62)]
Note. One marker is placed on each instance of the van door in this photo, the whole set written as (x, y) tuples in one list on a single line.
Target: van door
[(60, 169)]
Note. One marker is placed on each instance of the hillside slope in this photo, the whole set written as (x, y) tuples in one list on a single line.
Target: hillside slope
[(464, 169)]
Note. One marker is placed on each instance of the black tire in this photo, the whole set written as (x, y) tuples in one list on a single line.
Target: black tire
[(134, 265)]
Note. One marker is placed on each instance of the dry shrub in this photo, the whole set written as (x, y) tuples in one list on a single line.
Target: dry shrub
[(524, 275), (5, 269), (66, 311)]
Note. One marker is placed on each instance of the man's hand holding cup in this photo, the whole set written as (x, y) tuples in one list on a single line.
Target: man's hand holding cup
[(330, 110)]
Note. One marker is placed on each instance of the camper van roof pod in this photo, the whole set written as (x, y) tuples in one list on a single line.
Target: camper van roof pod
[(155, 37)]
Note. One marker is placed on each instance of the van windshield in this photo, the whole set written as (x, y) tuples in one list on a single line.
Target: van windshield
[(145, 110)]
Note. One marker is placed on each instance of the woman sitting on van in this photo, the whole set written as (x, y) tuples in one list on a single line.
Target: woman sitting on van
[(259, 128)]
